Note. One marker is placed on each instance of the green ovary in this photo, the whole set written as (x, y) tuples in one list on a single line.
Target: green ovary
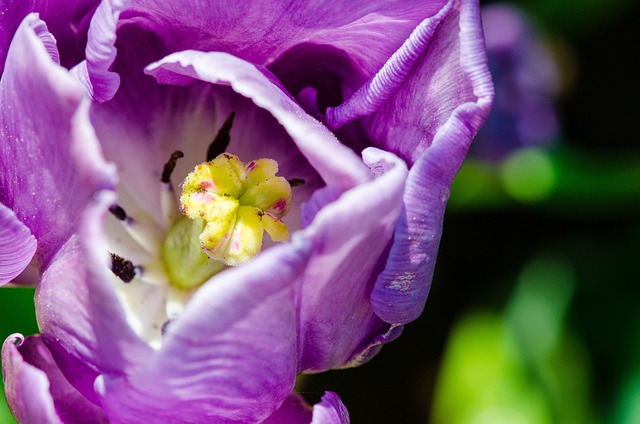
[(184, 261)]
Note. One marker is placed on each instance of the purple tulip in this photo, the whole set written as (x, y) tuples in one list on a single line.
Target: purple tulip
[(373, 108), (526, 80)]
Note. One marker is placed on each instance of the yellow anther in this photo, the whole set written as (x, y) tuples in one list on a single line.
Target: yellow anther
[(237, 202)]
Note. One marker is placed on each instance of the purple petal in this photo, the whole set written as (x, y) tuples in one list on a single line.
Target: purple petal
[(330, 410), (335, 163), (372, 347), (94, 73), (295, 410), (401, 290), (26, 387), (445, 132), (69, 406), (444, 59), (44, 127), (243, 320), (259, 31), (386, 81), (68, 21), (350, 235), (230, 357), (79, 315), (334, 53), (17, 246)]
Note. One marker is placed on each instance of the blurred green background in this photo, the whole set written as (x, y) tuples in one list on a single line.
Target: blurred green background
[(533, 314)]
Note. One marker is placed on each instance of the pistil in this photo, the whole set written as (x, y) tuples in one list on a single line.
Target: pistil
[(236, 202)]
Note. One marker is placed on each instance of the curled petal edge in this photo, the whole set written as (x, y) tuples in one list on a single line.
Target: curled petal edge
[(337, 324), (330, 410), (101, 83), (389, 78), (26, 387), (401, 291)]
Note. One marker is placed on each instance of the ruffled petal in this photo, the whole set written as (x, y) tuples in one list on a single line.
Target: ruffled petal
[(336, 164), (26, 387), (94, 72), (49, 156), (295, 410), (68, 21), (30, 364), (402, 288), (445, 60), (17, 245), (230, 357), (385, 82), (350, 236)]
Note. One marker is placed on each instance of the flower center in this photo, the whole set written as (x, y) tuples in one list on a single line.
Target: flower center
[(226, 205)]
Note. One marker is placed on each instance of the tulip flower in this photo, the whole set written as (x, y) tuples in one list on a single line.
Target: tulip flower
[(189, 280)]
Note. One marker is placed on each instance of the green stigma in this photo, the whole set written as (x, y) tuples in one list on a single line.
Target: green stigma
[(233, 205)]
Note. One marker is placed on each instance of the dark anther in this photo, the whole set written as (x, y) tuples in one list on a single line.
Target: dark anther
[(122, 268), (221, 142), (296, 182), (118, 212), (170, 166)]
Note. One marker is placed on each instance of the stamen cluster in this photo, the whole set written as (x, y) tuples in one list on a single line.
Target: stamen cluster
[(237, 202)]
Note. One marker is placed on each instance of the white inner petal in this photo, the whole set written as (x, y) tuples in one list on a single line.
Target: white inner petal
[(170, 211), (142, 303), (149, 301)]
